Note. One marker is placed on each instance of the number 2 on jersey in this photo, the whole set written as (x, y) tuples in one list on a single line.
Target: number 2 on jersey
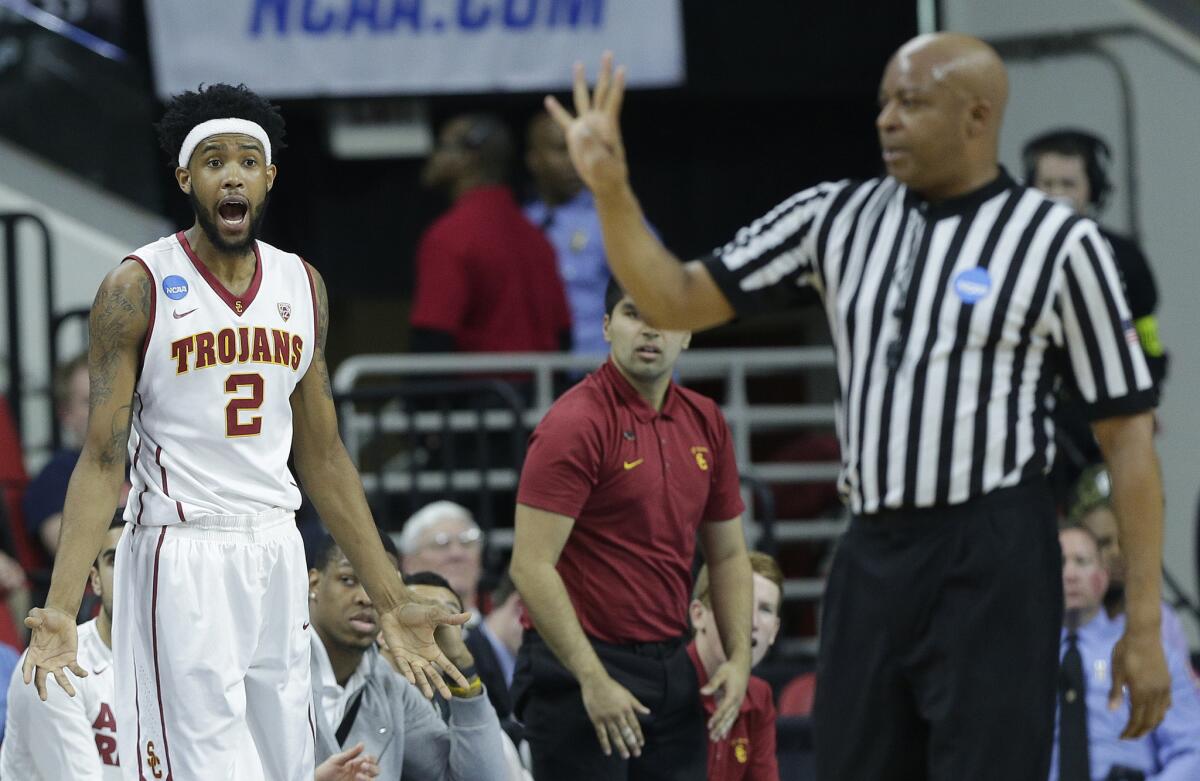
[(234, 426)]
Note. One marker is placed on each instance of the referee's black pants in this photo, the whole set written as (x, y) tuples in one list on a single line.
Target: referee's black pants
[(939, 644), (562, 740)]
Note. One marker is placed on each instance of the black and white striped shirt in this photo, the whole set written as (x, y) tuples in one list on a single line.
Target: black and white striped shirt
[(952, 323)]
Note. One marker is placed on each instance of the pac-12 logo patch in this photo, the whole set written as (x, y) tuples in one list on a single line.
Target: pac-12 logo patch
[(285, 311), (175, 287), (973, 284)]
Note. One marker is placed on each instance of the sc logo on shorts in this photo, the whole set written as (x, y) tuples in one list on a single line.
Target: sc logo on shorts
[(175, 287)]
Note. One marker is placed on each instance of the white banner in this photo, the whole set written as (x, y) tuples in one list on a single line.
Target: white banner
[(307, 48)]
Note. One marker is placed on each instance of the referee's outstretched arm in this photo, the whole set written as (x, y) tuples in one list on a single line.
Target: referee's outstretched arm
[(669, 294)]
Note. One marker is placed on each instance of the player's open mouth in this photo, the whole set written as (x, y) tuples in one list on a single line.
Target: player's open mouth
[(233, 211), (648, 352)]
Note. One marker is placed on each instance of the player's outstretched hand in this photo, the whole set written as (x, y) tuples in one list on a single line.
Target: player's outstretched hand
[(1138, 664), (348, 765), (52, 647), (594, 132), (728, 684), (408, 634)]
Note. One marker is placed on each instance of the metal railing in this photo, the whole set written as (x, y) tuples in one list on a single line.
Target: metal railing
[(540, 377)]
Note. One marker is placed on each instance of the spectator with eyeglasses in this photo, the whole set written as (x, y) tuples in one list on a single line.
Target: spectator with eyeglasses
[(443, 537)]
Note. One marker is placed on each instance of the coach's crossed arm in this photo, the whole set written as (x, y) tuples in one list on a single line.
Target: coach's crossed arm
[(332, 482)]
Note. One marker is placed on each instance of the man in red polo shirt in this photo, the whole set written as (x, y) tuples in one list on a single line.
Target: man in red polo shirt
[(748, 752), (620, 475), (487, 279)]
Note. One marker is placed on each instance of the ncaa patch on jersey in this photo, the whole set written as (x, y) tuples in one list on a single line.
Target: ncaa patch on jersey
[(176, 287), (973, 284)]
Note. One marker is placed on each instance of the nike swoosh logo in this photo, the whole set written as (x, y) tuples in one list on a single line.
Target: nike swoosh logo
[(177, 315), (305, 626), (97, 672), (631, 464)]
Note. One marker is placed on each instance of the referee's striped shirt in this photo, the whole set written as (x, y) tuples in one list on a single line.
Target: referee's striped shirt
[(952, 323)]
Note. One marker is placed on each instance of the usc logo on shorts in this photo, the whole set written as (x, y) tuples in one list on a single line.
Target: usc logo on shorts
[(152, 760), (699, 454), (741, 750)]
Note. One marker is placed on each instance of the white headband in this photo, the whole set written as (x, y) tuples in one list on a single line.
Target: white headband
[(216, 127)]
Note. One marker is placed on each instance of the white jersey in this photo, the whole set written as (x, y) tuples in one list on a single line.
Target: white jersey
[(64, 737), (212, 423)]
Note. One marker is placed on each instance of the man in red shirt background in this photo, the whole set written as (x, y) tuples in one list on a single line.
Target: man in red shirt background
[(748, 752), (486, 278), (620, 475)]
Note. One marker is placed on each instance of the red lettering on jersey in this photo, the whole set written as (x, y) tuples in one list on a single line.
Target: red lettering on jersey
[(105, 719), (205, 356), (180, 350), (282, 347), (244, 341), (226, 345), (297, 348), (262, 347), (106, 747)]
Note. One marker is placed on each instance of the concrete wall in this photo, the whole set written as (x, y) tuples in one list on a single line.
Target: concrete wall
[(1083, 91)]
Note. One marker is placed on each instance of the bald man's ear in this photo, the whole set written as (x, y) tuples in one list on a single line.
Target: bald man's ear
[(980, 117)]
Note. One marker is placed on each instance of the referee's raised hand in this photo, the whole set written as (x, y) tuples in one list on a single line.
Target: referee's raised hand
[(408, 635), (594, 132), (613, 710)]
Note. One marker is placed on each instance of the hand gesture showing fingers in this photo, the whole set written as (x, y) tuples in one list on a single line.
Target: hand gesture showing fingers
[(52, 647), (408, 632), (613, 710), (1139, 665), (594, 132)]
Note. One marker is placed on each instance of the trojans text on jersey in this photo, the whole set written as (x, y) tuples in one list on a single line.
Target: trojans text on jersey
[(242, 345)]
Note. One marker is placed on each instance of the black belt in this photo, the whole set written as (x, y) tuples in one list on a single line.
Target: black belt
[(656, 650)]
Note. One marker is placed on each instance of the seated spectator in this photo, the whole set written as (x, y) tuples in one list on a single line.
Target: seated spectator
[(443, 537), (486, 278), (1092, 509), (432, 587), (748, 752), (1087, 730), (43, 503), (359, 698), (494, 645), (70, 737)]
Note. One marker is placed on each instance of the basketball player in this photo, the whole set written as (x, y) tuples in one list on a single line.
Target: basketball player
[(209, 345)]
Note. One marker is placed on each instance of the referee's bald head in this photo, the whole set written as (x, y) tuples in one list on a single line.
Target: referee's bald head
[(942, 101)]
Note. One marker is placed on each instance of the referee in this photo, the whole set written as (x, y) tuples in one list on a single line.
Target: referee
[(957, 299)]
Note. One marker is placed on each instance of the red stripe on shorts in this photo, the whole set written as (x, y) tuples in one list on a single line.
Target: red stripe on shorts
[(162, 721), (163, 469)]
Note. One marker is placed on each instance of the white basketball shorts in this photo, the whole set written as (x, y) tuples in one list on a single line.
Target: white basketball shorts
[(210, 650)]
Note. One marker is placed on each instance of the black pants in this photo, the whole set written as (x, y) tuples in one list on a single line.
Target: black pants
[(563, 741), (939, 644)]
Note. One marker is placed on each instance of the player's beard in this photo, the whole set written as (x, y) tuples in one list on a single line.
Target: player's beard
[(209, 225)]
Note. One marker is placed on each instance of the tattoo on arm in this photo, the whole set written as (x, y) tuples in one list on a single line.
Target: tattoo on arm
[(113, 326), (322, 332)]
